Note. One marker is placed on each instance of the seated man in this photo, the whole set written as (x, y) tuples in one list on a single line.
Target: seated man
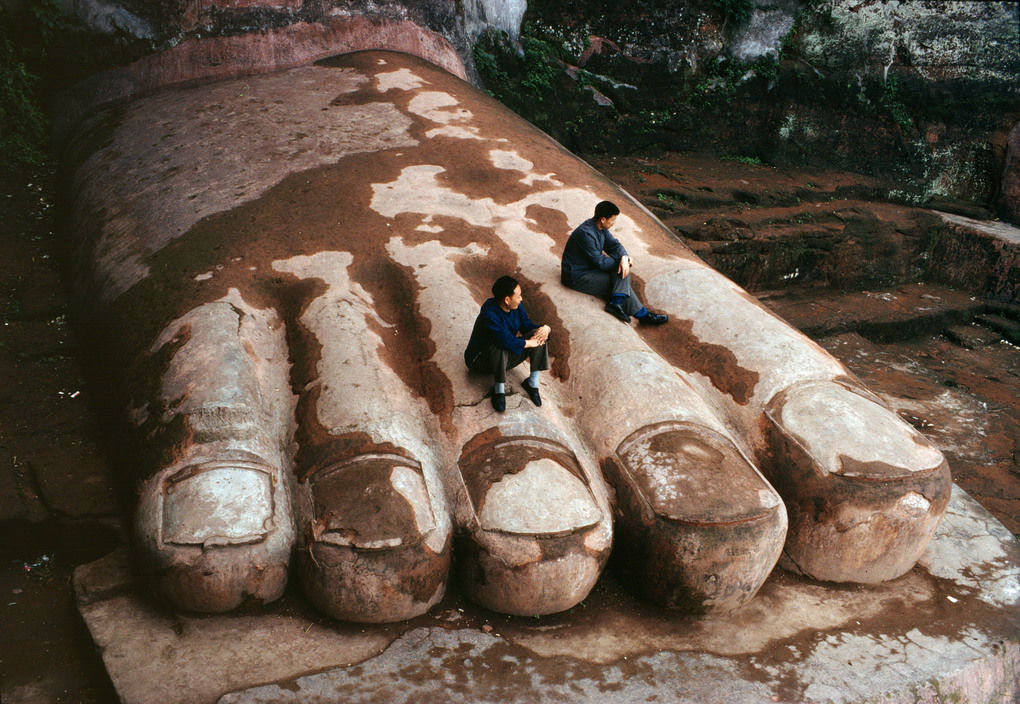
[(595, 262), (503, 335)]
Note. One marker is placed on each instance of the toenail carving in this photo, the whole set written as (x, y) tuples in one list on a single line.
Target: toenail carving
[(374, 550), (542, 499), (528, 486), (371, 502), (221, 502)]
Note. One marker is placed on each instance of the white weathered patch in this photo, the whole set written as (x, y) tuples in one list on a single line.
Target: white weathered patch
[(454, 132), (831, 421), (768, 499), (427, 226), (204, 277), (409, 484), (222, 506), (402, 79), (512, 161), (914, 503), (442, 109), (438, 107), (417, 190), (969, 548), (542, 498), (660, 469), (185, 165)]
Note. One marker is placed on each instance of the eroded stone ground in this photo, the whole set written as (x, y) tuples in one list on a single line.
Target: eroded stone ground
[(823, 249)]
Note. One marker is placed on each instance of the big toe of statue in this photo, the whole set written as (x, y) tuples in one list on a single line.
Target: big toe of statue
[(281, 273)]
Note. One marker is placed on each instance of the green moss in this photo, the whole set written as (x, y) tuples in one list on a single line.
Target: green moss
[(890, 100), (748, 160), (23, 39)]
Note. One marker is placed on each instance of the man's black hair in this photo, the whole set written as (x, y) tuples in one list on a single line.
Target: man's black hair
[(503, 288), (606, 209)]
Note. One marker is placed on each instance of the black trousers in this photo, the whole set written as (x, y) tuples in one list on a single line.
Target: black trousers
[(496, 360)]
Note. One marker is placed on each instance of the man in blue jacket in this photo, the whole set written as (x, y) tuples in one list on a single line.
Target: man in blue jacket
[(595, 262), (503, 335)]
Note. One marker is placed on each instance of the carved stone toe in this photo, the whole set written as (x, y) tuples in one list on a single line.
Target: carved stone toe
[(217, 533), (374, 549), (534, 548), (864, 490), (699, 527)]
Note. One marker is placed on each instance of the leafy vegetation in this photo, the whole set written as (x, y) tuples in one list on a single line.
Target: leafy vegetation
[(24, 36), (738, 11), (890, 100)]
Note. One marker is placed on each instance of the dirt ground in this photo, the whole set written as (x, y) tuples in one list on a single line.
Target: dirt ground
[(951, 374)]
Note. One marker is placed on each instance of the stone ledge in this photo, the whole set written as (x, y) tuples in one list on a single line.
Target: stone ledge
[(949, 630)]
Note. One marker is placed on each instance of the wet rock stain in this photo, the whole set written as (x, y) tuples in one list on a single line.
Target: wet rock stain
[(678, 344)]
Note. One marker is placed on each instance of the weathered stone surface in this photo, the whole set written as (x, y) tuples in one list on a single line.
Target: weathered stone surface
[(948, 629), (1009, 189), (863, 496), (282, 272), (979, 256), (267, 51)]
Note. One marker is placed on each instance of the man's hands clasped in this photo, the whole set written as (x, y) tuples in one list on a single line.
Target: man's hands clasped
[(538, 337)]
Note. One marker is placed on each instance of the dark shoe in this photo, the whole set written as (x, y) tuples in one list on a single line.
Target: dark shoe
[(499, 401), (616, 311), (653, 319), (532, 393)]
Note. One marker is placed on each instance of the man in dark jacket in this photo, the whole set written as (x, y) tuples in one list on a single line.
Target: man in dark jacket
[(595, 262), (503, 335)]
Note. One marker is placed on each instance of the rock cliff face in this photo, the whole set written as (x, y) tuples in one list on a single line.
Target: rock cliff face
[(923, 91), (167, 23)]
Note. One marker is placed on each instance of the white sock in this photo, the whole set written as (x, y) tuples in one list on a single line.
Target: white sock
[(533, 380), (499, 389)]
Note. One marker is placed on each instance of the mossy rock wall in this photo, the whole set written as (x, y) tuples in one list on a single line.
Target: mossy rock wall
[(924, 92)]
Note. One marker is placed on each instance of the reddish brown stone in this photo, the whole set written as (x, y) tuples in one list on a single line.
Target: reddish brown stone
[(700, 529)]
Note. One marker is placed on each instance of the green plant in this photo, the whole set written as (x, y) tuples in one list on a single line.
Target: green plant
[(541, 65), (739, 11), (22, 123), (748, 160), (23, 41), (489, 68), (891, 101)]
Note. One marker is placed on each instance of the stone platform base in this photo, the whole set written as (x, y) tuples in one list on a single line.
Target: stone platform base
[(948, 631)]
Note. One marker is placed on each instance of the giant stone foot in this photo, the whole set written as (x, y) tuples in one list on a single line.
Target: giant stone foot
[(281, 273)]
